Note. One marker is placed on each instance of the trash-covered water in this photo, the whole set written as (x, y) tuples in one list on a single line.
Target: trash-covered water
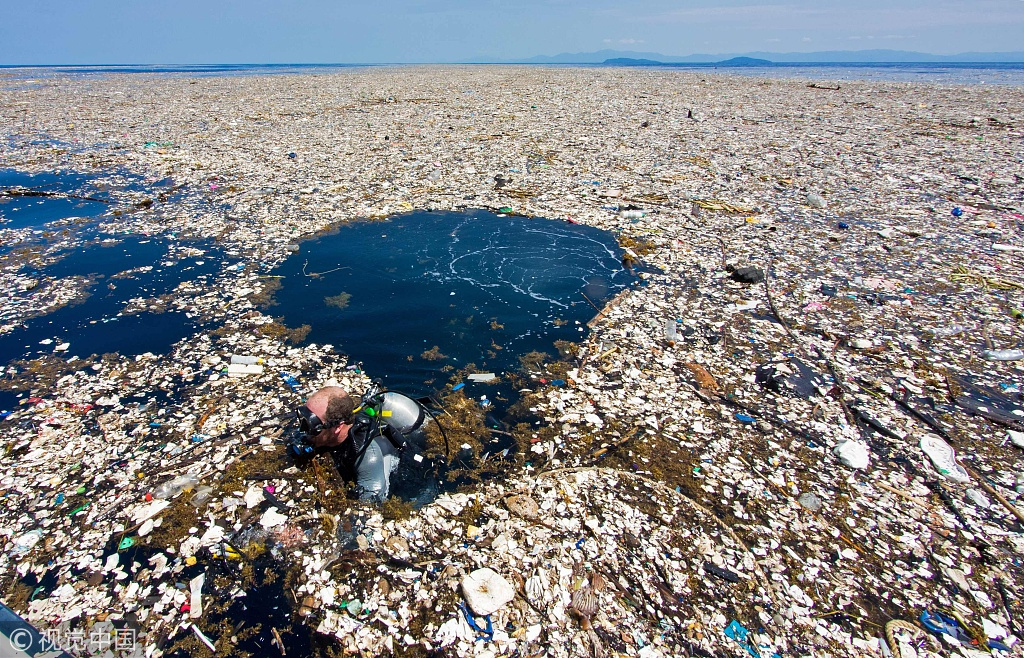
[(115, 271), (419, 297), (35, 200), (86, 290)]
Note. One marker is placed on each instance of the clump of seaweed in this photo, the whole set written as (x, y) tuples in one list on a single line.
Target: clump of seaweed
[(433, 354), (265, 298), (278, 330), (533, 360), (463, 421), (339, 301), (635, 248), (395, 509), (567, 348)]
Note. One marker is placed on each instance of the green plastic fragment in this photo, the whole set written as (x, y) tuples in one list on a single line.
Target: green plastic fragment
[(126, 543), (505, 210)]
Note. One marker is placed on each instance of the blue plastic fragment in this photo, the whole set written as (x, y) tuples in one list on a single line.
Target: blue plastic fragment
[(744, 418), (60, 498), (459, 386), (558, 382), (486, 634), (958, 212), (937, 622), (736, 632), (844, 225), (292, 382), (580, 543)]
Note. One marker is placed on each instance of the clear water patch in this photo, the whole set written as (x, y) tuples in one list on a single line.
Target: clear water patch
[(420, 297), (40, 200), (113, 272)]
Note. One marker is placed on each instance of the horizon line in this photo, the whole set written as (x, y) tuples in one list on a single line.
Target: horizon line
[(498, 63)]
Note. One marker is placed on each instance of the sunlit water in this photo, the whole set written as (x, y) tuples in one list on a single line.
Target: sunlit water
[(420, 297)]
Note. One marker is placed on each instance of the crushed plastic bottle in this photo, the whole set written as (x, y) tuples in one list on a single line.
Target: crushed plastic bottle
[(172, 488), (671, 334), (810, 502), (1002, 355), (202, 494), (946, 332)]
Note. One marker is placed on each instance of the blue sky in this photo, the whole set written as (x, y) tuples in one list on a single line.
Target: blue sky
[(263, 31)]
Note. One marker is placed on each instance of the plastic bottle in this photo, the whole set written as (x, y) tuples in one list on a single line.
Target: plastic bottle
[(201, 495), (239, 359), (1002, 355), (172, 488), (946, 332), (671, 335), (632, 214)]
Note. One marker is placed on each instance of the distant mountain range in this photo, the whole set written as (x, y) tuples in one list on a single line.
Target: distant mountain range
[(821, 56)]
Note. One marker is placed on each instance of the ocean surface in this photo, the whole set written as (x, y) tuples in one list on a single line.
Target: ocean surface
[(953, 73), (421, 296)]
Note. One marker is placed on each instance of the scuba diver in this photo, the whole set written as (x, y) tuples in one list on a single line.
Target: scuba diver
[(366, 436)]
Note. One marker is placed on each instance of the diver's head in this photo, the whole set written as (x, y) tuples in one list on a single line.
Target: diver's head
[(327, 416)]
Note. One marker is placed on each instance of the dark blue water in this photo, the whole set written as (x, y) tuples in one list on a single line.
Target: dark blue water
[(144, 267), (482, 288), (37, 211), (30, 211), (179, 70)]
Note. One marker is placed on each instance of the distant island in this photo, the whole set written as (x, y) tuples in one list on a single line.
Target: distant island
[(744, 61), (627, 58), (735, 61), (629, 61)]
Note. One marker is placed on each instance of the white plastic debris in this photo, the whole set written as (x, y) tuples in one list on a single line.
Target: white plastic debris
[(852, 453), (486, 592), (272, 518), (943, 457), (244, 369), (978, 498), (196, 601), (1002, 355)]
